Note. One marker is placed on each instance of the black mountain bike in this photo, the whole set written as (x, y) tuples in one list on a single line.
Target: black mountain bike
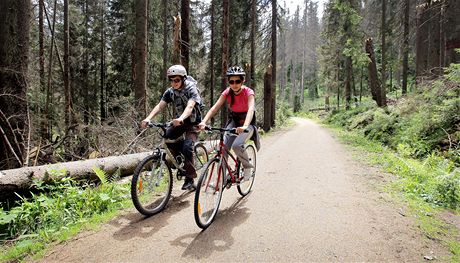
[(152, 182)]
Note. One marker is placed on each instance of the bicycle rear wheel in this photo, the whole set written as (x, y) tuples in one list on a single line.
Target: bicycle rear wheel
[(201, 155), (208, 193), (151, 185), (244, 187)]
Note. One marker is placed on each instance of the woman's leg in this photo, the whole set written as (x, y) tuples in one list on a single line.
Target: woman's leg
[(239, 144), (228, 137)]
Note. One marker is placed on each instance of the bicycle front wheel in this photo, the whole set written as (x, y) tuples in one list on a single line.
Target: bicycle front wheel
[(201, 155), (244, 187), (208, 193), (151, 185)]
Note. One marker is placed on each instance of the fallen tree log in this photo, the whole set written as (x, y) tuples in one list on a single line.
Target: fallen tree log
[(20, 179)]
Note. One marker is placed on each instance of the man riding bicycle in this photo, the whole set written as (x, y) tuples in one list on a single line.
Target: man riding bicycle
[(187, 104)]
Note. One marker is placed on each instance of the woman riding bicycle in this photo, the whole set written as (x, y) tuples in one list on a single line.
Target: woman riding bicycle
[(186, 100), (240, 98)]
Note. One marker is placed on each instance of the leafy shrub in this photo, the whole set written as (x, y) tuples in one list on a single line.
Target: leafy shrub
[(58, 205), (448, 189), (382, 126), (424, 122), (283, 113)]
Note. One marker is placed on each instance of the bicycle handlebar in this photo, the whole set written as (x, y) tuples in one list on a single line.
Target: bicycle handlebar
[(230, 130), (159, 125)]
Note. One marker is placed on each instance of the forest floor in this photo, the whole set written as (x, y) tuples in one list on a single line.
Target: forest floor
[(312, 201)]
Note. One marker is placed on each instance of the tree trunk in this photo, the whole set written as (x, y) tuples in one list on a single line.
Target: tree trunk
[(185, 35), (372, 69), (14, 49), (165, 45), (283, 73), (304, 51), (427, 40), (211, 62), (361, 84), (102, 98), (19, 180), (41, 47), (337, 80), (405, 55), (268, 99), (293, 88), (452, 32), (442, 36), (176, 40), (48, 99), (67, 89), (140, 58), (225, 47), (61, 65), (348, 79), (253, 44), (85, 69), (383, 31), (273, 61)]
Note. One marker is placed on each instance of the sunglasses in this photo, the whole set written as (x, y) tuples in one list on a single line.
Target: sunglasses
[(238, 81), (175, 80)]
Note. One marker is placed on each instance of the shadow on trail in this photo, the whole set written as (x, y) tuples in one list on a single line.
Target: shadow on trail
[(134, 224), (218, 236)]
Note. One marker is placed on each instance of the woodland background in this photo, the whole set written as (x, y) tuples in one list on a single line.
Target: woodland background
[(78, 76)]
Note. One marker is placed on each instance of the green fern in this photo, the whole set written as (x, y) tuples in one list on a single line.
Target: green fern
[(101, 175)]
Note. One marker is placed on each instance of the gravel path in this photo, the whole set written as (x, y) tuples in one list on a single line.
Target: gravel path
[(311, 202)]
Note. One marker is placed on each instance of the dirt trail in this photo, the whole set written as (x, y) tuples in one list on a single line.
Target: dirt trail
[(311, 202)]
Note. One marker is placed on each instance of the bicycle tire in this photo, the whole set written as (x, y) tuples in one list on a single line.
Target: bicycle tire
[(244, 187), (201, 155), (208, 194), (151, 196)]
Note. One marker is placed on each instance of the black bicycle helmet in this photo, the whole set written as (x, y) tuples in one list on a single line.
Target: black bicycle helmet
[(235, 71)]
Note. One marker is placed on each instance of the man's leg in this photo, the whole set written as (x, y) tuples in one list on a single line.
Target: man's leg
[(177, 147), (191, 136), (173, 133)]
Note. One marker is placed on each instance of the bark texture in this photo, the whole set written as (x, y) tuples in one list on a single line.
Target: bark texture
[(14, 49), (140, 58), (372, 69), (19, 180)]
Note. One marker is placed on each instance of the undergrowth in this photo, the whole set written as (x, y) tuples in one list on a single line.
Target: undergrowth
[(427, 186), (59, 208), (424, 130)]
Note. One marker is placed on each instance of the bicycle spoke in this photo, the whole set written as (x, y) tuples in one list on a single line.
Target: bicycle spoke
[(244, 187), (208, 194), (151, 186)]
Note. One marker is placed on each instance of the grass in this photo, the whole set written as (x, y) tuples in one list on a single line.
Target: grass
[(37, 246), (58, 213), (417, 186)]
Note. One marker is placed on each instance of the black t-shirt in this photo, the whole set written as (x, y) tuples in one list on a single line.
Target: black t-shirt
[(180, 98)]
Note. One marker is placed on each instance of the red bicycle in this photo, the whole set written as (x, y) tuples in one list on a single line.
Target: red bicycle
[(222, 171)]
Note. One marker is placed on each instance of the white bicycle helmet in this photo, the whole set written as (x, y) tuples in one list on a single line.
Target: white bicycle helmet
[(176, 70), (235, 71)]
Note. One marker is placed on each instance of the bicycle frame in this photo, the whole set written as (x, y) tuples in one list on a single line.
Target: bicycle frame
[(223, 154), (162, 148)]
